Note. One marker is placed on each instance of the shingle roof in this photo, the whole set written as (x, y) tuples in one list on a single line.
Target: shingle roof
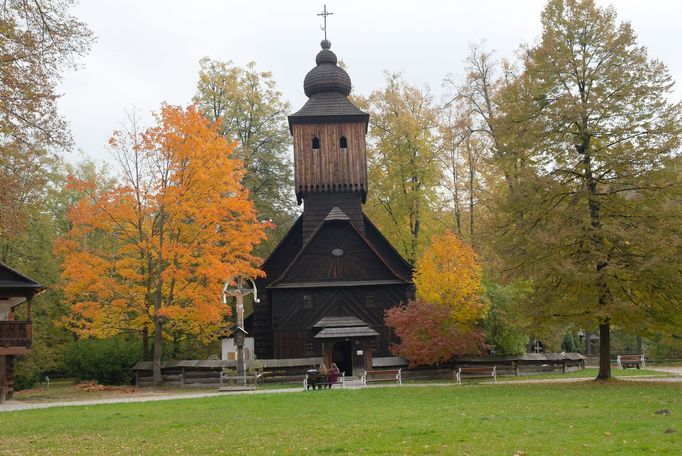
[(339, 322), (331, 104), (327, 85), (333, 333)]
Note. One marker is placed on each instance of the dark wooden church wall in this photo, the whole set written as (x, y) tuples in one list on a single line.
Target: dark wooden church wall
[(387, 251), (356, 262), (294, 315), (274, 266), (318, 205)]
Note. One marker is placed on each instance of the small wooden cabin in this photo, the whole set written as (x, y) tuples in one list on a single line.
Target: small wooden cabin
[(15, 335), (333, 276)]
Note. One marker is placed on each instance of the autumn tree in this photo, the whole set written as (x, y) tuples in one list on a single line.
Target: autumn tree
[(154, 251), (402, 163), (429, 334), (39, 40), (462, 158), (252, 113), (443, 321), (592, 219)]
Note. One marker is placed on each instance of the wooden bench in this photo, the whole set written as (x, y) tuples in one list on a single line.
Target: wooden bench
[(387, 375), (477, 372), (239, 383), (625, 361), (307, 383)]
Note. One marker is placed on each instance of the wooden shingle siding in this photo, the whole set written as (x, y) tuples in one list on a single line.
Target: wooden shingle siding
[(330, 168)]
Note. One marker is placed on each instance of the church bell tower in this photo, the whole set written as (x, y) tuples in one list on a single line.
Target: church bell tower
[(330, 160)]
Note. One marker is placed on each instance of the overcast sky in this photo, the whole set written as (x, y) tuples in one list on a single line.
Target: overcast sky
[(147, 51)]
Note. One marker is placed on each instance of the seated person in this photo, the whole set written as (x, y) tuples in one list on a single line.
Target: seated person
[(334, 375)]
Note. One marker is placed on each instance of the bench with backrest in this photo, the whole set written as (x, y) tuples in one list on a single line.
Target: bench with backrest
[(476, 372), (625, 361), (316, 380), (384, 375)]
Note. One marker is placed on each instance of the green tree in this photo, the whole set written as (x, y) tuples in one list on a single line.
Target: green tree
[(568, 343), (404, 171), (504, 326), (593, 218), (253, 113)]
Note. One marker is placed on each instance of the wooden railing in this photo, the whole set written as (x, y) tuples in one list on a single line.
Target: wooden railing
[(15, 334)]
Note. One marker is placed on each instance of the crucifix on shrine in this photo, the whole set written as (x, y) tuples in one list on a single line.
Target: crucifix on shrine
[(324, 14), (238, 291)]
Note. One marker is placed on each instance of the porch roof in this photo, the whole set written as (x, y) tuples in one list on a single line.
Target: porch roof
[(346, 332)]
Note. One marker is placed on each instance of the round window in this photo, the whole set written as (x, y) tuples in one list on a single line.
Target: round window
[(337, 252)]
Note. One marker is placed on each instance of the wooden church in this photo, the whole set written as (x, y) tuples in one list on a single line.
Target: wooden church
[(332, 277)]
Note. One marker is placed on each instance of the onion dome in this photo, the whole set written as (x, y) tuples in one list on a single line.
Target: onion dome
[(327, 76)]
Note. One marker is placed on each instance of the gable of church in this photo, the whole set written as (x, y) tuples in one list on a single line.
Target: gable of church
[(337, 252)]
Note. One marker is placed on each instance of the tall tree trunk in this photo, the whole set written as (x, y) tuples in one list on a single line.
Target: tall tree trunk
[(471, 204), (158, 351), (146, 354), (455, 191), (604, 351), (603, 297)]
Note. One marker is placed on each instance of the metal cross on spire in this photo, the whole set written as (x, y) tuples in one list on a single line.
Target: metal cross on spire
[(324, 14)]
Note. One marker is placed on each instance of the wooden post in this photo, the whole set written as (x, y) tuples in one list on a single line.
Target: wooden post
[(563, 366), (368, 355), (3, 368), (516, 368), (182, 377)]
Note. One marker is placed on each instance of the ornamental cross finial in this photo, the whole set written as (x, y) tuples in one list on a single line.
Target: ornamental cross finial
[(324, 14)]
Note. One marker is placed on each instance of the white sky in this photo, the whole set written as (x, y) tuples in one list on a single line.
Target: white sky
[(147, 51)]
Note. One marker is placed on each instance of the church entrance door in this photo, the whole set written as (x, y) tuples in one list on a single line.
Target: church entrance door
[(342, 355)]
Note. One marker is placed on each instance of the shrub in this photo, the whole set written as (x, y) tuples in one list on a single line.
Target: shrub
[(108, 361), (26, 373)]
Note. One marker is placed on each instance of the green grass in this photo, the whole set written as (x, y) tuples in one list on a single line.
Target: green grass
[(64, 390), (531, 419), (590, 372)]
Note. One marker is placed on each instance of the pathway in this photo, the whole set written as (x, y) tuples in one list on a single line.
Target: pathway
[(13, 405)]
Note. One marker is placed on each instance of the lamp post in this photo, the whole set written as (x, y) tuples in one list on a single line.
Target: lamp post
[(239, 334)]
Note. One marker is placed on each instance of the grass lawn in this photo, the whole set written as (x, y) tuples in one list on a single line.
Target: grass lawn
[(512, 419), (590, 372), (65, 390)]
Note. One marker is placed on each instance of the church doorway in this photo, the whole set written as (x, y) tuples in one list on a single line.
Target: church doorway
[(342, 355)]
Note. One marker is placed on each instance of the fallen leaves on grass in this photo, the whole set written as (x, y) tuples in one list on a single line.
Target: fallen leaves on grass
[(93, 386)]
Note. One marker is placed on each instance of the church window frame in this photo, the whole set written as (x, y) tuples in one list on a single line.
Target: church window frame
[(309, 346), (343, 143), (316, 143)]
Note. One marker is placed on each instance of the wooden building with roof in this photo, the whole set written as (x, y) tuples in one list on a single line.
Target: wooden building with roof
[(333, 276), (15, 335)]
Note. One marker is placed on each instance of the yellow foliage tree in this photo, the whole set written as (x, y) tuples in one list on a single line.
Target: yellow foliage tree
[(448, 274)]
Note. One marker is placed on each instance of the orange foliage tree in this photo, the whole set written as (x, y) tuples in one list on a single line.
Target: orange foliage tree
[(153, 252), (442, 322)]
